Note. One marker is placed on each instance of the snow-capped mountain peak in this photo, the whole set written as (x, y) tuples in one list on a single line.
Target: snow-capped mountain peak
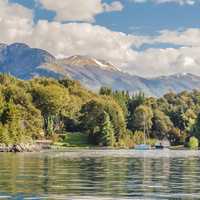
[(79, 60), (25, 62)]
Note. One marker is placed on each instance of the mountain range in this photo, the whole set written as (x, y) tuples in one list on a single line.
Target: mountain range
[(24, 62)]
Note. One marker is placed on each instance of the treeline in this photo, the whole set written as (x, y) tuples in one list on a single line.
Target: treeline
[(45, 108)]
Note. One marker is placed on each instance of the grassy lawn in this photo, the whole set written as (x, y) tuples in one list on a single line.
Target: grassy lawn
[(74, 140)]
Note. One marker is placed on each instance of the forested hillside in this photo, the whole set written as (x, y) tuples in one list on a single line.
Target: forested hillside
[(46, 108)]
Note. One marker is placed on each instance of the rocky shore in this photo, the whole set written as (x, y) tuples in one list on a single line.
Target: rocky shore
[(20, 148)]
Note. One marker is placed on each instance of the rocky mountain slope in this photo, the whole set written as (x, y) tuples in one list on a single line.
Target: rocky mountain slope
[(20, 60), (24, 62)]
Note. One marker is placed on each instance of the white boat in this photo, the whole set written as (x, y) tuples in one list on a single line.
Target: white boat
[(142, 147)]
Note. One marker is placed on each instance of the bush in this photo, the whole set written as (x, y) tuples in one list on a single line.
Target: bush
[(193, 143), (130, 140)]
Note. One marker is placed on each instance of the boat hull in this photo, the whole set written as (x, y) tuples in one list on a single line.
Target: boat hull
[(142, 147), (159, 147)]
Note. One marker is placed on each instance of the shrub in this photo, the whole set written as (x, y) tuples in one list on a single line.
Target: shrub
[(193, 143), (130, 140)]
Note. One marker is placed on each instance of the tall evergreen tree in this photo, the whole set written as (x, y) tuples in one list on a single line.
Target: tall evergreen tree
[(107, 131)]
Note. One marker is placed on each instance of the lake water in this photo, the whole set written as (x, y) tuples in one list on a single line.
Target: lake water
[(100, 174)]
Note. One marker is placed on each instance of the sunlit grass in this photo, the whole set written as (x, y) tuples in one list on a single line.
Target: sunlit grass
[(76, 139)]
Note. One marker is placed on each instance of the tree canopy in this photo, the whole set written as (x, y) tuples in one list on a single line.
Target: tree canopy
[(44, 107)]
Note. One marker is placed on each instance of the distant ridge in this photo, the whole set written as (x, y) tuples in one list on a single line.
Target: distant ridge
[(25, 62)]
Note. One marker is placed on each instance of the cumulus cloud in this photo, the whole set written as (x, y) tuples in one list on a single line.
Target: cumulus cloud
[(79, 10), (180, 2), (83, 38), (67, 39), (16, 24), (13, 11), (15, 21), (188, 37), (156, 62), (114, 6)]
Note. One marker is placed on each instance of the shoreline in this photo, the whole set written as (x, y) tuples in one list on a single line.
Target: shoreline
[(25, 148), (20, 148), (112, 153), (48, 145)]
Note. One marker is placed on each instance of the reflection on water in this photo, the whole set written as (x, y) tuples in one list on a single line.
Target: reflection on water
[(100, 175)]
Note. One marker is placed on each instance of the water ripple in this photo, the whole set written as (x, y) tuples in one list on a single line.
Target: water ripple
[(100, 175)]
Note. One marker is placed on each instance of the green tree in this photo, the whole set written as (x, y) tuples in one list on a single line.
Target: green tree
[(177, 117), (122, 98), (116, 116), (142, 118), (189, 118), (52, 100), (90, 118), (105, 91), (17, 95), (161, 124), (107, 131), (196, 127), (4, 135), (134, 102), (174, 136), (193, 143), (2, 103), (92, 113), (12, 128)]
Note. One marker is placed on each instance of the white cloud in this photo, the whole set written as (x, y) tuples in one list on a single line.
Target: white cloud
[(180, 2), (189, 37), (12, 11), (114, 6), (16, 24), (79, 10), (85, 39), (156, 62), (65, 39), (188, 61)]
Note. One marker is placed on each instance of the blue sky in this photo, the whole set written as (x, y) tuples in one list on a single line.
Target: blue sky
[(142, 37), (149, 18), (139, 18)]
